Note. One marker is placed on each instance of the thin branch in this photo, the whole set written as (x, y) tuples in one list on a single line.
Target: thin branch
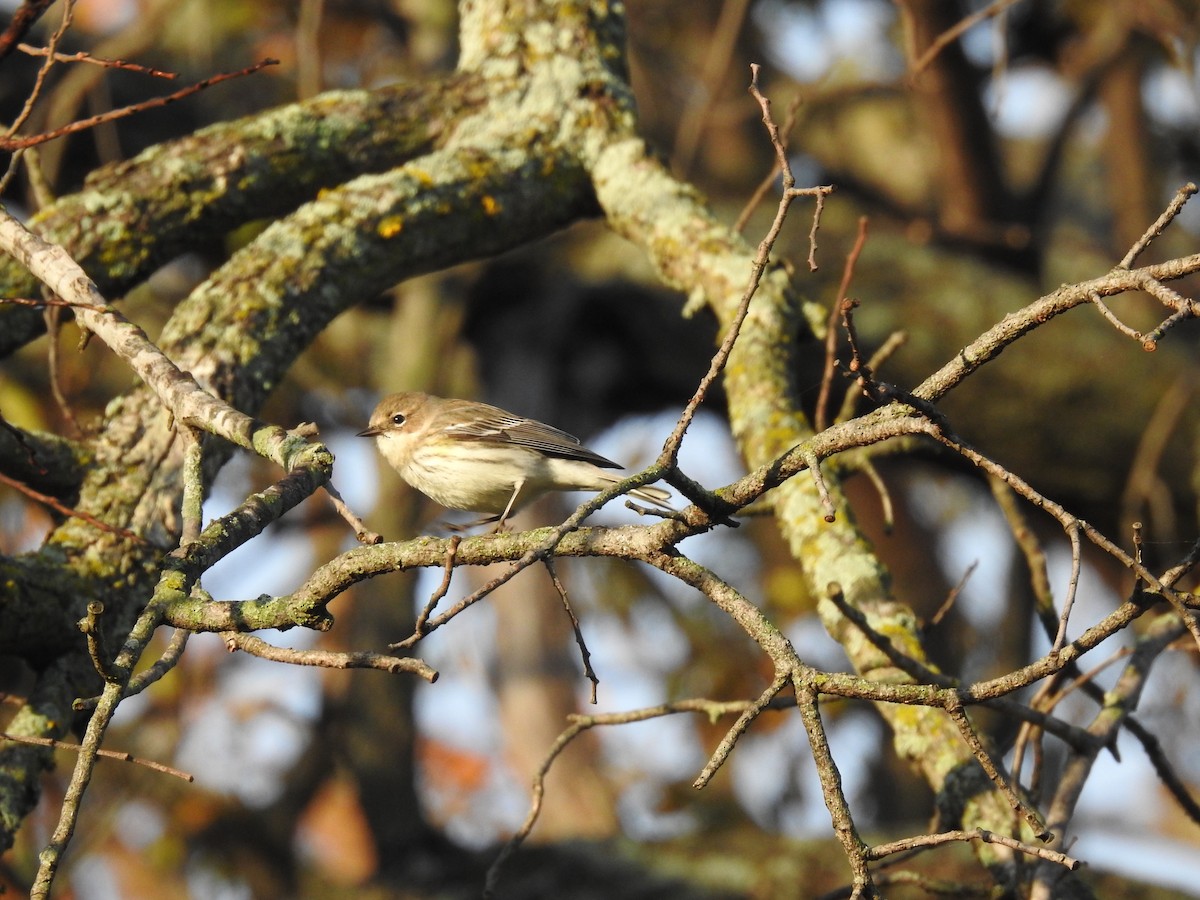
[(582, 723), (1175, 785), (953, 595), (950, 35), (166, 661), (89, 750), (914, 669), (192, 508), (541, 550), (106, 754), (1014, 326), (584, 653), (768, 181), (327, 659), (990, 767), (52, 317), (440, 591), (853, 845), (734, 734), (10, 144), (178, 391), (90, 626), (71, 512), (177, 576), (1150, 341), (879, 358), (1031, 550), (1072, 585), (1119, 702), (361, 532), (1112, 319), (23, 19), (814, 469), (818, 207), (831, 336), (51, 301), (537, 792), (1069, 522), (83, 57), (670, 452), (1143, 479), (720, 51), (923, 841), (1160, 224), (68, 14)]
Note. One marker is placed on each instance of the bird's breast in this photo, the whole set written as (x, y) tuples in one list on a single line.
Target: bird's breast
[(472, 476)]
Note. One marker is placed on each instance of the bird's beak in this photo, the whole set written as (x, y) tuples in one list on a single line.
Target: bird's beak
[(370, 432)]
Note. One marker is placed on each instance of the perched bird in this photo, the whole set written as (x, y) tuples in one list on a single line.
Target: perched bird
[(472, 456)]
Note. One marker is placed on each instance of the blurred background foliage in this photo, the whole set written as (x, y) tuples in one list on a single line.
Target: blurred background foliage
[(1028, 153)]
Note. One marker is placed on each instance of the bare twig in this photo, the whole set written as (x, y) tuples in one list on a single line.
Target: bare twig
[(887, 512), (327, 659), (1190, 311), (748, 715), (934, 840), (1072, 584), (950, 35), (915, 669), (855, 848), (90, 626), (953, 595), (106, 754), (670, 452), (760, 192), (179, 392), (23, 18), (440, 591), (814, 469), (887, 349), (1163, 767), (1012, 327), (361, 531), (83, 57), (584, 653), (1160, 224), (68, 511), (716, 65), (1069, 523), (999, 779), (16, 143), (51, 301), (582, 723), (68, 14), (820, 417), (166, 661), (1116, 323), (53, 331), (1144, 484), (1031, 550)]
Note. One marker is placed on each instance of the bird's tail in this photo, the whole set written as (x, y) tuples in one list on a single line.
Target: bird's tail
[(656, 495)]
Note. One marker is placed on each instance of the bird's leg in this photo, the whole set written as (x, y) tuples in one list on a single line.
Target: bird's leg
[(500, 520), (503, 523)]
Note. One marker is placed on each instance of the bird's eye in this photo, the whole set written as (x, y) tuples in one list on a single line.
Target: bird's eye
[(398, 419)]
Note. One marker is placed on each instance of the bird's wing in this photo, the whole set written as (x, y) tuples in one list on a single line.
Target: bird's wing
[(504, 427)]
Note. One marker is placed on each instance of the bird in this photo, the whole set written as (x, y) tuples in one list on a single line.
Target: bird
[(473, 456)]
